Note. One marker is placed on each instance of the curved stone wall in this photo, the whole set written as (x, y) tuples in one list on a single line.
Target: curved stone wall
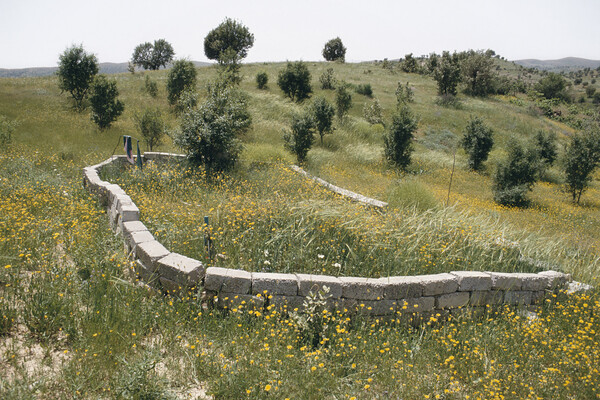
[(231, 288)]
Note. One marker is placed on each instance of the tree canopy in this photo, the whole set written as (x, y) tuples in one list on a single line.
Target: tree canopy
[(230, 35), (153, 56), (334, 50), (294, 80), (76, 71)]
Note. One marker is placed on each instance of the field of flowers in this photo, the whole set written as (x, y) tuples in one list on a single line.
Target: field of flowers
[(73, 323)]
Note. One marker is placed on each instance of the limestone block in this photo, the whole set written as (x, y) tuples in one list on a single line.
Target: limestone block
[(555, 279), (136, 238), (280, 284), (150, 252), (419, 304), (533, 282), (472, 280), (434, 285), (180, 269), (240, 302), (113, 190), (488, 297), (505, 281), (361, 288), (452, 300), (129, 213), (133, 226), (286, 303), (520, 297), (401, 287), (227, 280), (308, 283)]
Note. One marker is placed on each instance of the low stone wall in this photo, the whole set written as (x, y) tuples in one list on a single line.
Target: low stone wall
[(230, 288)]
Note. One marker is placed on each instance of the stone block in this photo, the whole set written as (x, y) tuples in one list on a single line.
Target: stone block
[(469, 281), (517, 297), (180, 269), (150, 252), (113, 190), (361, 288), (505, 281), (434, 285), (129, 212), (556, 280), (135, 238), (133, 226), (532, 282), (488, 297), (227, 280), (419, 304), (275, 284), (401, 287), (308, 283), (452, 300)]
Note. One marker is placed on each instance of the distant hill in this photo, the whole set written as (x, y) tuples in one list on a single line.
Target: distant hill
[(564, 64), (105, 68)]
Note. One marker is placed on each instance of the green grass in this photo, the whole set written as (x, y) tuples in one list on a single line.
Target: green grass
[(75, 325)]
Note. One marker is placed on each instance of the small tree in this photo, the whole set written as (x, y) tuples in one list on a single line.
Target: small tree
[(404, 94), (515, 176), (328, 81), (301, 137), (322, 113), (432, 63), (582, 157), (334, 50), (545, 144), (182, 76), (294, 80), (150, 86), (106, 108), (478, 74), (209, 134), (447, 74), (373, 112), (477, 142), (397, 142), (76, 72), (552, 86), (261, 80), (343, 100), (230, 36), (153, 56), (151, 127), (409, 64)]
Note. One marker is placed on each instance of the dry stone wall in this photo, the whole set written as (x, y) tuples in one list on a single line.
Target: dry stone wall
[(230, 288)]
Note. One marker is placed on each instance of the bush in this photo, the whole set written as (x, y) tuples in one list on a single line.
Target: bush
[(590, 91), (582, 156), (151, 127), (182, 76), (150, 87), (261, 80), (7, 128), (301, 137), (209, 134), (553, 86), (404, 94), (364, 89), (76, 72), (545, 144), (328, 81), (477, 142), (322, 112), (373, 112), (334, 50), (397, 142), (294, 80), (106, 108), (515, 176), (343, 100)]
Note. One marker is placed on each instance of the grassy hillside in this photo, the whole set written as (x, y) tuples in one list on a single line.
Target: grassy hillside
[(75, 326)]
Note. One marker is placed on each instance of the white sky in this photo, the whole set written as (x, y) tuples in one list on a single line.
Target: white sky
[(34, 32)]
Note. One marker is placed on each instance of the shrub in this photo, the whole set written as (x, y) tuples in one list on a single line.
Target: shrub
[(343, 100), (7, 128), (404, 94), (150, 86), (151, 127), (545, 144), (447, 74), (106, 108), (261, 80), (409, 64), (373, 112), (515, 176), (397, 142), (478, 74), (552, 86), (301, 137), (76, 72), (294, 81), (590, 91), (364, 89), (209, 134), (322, 112), (582, 156), (334, 50), (477, 142), (182, 76), (328, 81)]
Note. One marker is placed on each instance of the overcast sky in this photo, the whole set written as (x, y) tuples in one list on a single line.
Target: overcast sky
[(34, 32)]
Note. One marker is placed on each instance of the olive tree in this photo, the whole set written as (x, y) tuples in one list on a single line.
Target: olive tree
[(153, 56), (397, 142), (322, 112), (76, 72), (334, 50), (151, 126), (229, 35), (582, 157), (300, 138), (516, 175), (294, 80), (477, 142), (182, 77), (106, 107)]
